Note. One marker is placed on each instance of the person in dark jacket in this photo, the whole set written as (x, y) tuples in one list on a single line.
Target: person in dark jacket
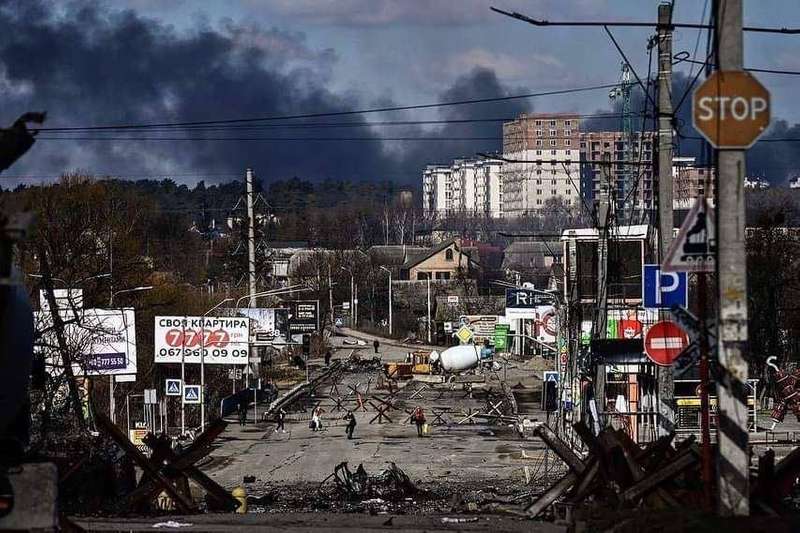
[(242, 413), (351, 424), (327, 358), (281, 417), (376, 345)]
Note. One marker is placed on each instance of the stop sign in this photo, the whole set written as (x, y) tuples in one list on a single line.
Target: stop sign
[(731, 109), (664, 342)]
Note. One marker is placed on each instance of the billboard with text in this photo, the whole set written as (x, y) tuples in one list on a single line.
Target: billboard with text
[(220, 340)]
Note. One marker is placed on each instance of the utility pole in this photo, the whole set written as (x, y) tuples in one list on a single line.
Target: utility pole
[(330, 296), (251, 252), (733, 461), (429, 308), (604, 211), (666, 384)]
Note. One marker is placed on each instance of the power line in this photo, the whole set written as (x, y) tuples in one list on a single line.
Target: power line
[(683, 59), (625, 24), (335, 113)]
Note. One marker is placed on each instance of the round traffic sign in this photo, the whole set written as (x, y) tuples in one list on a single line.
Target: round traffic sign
[(731, 109), (664, 342)]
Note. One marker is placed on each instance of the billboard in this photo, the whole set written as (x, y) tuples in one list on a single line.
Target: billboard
[(102, 342), (267, 325), (304, 316), (222, 340), (522, 303)]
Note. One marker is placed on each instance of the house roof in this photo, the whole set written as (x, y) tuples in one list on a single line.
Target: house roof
[(413, 260), (394, 254), (530, 254)]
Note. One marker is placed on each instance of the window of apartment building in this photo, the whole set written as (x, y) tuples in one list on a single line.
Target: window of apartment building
[(553, 162), (538, 152), (568, 142), (567, 192), (538, 122), (568, 123), (538, 142), (554, 181), (553, 192), (538, 133), (568, 162), (539, 201), (538, 191), (538, 182), (552, 122), (552, 142), (553, 172), (567, 132), (553, 152), (552, 133), (538, 172)]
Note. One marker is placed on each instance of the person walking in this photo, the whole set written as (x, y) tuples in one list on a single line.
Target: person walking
[(351, 424), (281, 418), (328, 358), (316, 421), (242, 412), (418, 417), (376, 345)]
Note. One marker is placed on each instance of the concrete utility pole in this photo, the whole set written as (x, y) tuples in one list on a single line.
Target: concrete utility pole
[(251, 237), (666, 378), (251, 253), (733, 461), (604, 209)]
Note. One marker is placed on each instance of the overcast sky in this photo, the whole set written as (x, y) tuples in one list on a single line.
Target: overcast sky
[(144, 61)]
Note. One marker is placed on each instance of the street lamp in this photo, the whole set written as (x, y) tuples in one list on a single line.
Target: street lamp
[(202, 364), (123, 291), (111, 403), (353, 300), (390, 298)]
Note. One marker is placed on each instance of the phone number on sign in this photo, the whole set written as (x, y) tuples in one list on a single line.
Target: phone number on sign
[(216, 352)]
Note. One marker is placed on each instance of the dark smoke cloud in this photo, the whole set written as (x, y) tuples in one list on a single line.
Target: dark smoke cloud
[(87, 64), (776, 162)]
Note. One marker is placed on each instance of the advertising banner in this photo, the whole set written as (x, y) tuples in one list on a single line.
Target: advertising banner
[(304, 316), (221, 340), (546, 324), (522, 303), (103, 341), (267, 324)]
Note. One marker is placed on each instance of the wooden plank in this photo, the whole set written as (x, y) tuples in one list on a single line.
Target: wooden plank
[(552, 494), (560, 448), (651, 482), (183, 504)]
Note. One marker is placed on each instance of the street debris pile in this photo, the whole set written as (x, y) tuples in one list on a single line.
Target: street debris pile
[(390, 484), (356, 364), (619, 476)]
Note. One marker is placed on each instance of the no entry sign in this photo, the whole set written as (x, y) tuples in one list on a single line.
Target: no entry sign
[(664, 342), (731, 109)]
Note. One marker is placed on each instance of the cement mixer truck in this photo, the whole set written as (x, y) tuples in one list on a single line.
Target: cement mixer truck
[(460, 358)]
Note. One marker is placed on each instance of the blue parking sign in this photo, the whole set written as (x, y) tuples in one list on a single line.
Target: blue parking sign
[(664, 289)]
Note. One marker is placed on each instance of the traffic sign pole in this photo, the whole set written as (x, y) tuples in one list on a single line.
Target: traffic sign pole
[(733, 461)]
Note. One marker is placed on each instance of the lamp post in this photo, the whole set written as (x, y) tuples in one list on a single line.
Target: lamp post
[(353, 316), (390, 298), (111, 403), (203, 363), (430, 324)]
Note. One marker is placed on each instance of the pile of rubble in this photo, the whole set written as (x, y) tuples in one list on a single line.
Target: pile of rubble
[(390, 484), (357, 365)]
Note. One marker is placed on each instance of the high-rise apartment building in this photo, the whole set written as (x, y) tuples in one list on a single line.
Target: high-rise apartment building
[(469, 187)]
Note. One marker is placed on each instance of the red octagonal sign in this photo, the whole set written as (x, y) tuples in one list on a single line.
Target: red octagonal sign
[(664, 342)]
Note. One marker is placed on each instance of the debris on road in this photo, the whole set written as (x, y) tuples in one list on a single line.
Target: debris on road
[(390, 484)]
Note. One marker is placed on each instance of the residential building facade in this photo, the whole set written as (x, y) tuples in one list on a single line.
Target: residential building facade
[(689, 182), (468, 187)]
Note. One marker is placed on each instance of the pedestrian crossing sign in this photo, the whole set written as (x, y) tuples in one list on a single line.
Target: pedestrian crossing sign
[(191, 394), (173, 387)]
